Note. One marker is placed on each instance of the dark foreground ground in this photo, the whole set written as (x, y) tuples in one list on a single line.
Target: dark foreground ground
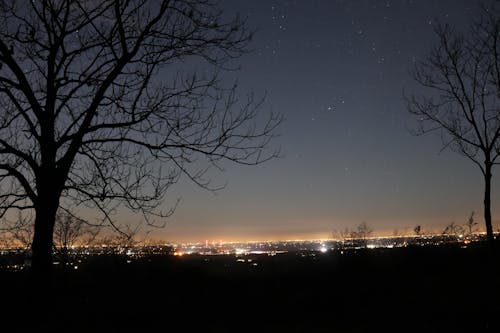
[(431, 289)]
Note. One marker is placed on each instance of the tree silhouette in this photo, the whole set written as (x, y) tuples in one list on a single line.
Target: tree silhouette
[(470, 224), (101, 106), (461, 80), (453, 229), (363, 232), (417, 230), (68, 229), (344, 234), (20, 230)]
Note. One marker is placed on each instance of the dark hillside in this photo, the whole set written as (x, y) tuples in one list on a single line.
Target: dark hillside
[(421, 289)]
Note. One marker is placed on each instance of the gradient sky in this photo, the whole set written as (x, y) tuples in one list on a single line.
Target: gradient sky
[(336, 70)]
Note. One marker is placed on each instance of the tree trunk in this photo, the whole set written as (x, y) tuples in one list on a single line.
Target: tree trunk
[(487, 204), (42, 244)]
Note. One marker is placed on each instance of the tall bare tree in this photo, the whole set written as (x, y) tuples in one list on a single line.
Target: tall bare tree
[(461, 90), (98, 108)]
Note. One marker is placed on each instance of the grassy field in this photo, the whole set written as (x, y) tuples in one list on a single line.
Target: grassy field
[(421, 289)]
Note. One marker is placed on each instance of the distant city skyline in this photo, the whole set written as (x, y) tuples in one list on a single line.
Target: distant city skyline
[(336, 70)]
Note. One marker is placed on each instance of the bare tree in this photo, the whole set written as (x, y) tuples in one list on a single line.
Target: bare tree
[(417, 230), (453, 229), (343, 234), (20, 230), (363, 232), (69, 229), (5, 240), (100, 106), (470, 224), (462, 78)]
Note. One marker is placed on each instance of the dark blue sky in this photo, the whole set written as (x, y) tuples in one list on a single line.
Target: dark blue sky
[(336, 70)]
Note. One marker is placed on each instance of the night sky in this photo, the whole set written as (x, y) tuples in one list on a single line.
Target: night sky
[(336, 70)]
